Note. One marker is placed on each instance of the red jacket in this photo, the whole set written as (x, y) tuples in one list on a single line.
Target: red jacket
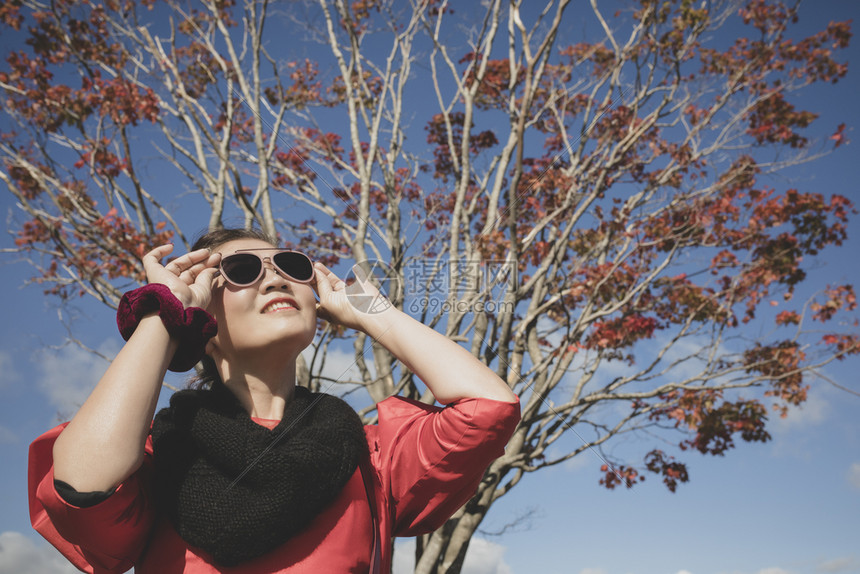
[(425, 463)]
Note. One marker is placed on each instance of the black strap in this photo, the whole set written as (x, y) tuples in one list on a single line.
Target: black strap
[(376, 553), (80, 499)]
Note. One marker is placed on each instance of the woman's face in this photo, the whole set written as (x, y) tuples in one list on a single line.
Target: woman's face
[(274, 310)]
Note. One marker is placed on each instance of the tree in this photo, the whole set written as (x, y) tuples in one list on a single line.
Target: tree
[(597, 220)]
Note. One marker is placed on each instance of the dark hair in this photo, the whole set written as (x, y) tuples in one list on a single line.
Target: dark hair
[(218, 237), (207, 375)]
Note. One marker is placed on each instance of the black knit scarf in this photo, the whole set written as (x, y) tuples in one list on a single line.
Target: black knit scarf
[(237, 489)]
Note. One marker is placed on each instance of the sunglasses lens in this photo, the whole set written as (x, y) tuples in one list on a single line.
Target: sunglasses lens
[(296, 265), (241, 268)]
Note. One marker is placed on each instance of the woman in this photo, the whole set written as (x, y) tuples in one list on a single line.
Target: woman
[(256, 474)]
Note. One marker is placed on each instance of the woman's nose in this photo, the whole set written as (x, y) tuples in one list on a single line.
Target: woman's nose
[(272, 277)]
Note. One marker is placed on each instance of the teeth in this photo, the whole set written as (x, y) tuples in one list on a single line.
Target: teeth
[(277, 307)]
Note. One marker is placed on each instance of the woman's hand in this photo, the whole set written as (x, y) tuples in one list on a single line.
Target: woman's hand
[(188, 277), (350, 305)]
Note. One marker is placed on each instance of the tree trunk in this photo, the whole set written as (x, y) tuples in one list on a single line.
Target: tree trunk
[(445, 552)]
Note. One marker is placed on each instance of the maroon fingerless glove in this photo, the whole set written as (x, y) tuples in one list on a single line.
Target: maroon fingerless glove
[(192, 327)]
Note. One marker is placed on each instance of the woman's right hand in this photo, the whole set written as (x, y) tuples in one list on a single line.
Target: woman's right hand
[(189, 277), (104, 442)]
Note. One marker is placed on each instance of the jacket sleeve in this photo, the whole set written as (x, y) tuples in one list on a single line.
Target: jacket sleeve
[(434, 458), (104, 538)]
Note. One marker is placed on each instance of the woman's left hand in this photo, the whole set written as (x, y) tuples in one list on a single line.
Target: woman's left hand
[(350, 305), (361, 306)]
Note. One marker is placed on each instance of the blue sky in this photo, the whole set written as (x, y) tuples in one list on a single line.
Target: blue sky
[(791, 506)]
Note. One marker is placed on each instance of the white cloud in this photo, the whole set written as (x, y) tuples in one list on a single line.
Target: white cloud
[(854, 475), (340, 364), (8, 374), (582, 460), (404, 556), (7, 436), (341, 375), (773, 570), (846, 564), (483, 557), (684, 572), (66, 376), (792, 436), (814, 411), (22, 555), (592, 571)]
